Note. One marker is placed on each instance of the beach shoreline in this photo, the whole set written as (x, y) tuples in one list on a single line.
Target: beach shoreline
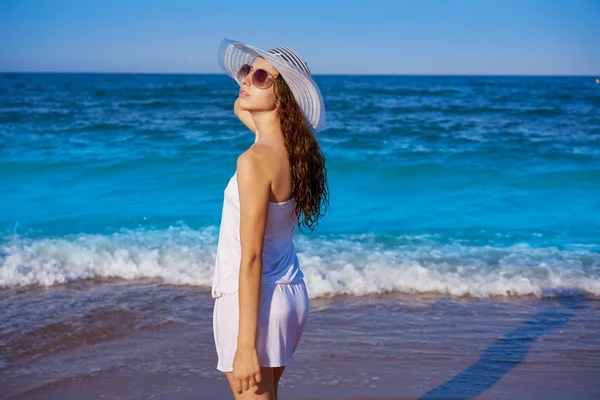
[(372, 347)]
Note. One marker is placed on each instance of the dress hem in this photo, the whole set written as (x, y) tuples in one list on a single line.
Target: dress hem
[(271, 365)]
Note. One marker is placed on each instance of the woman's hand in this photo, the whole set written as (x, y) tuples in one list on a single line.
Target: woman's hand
[(246, 369)]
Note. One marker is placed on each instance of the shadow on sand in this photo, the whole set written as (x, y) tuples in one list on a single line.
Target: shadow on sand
[(506, 353)]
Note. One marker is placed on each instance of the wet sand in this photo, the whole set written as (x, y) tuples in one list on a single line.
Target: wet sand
[(151, 341)]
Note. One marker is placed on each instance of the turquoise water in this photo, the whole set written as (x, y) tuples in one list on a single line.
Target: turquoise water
[(479, 186)]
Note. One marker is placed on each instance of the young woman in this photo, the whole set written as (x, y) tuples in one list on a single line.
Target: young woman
[(261, 301)]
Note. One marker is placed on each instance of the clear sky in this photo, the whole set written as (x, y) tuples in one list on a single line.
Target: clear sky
[(505, 37)]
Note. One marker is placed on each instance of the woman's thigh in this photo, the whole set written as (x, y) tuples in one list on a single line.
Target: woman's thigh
[(264, 390)]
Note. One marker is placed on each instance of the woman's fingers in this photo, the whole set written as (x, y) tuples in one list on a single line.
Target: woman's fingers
[(244, 383), (238, 384)]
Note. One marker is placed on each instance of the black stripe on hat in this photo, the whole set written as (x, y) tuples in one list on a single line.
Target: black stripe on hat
[(279, 52), (292, 57), (301, 62)]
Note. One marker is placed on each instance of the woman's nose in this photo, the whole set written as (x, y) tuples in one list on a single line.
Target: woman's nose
[(247, 79)]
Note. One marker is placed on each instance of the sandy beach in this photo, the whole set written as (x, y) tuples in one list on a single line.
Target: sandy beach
[(158, 344)]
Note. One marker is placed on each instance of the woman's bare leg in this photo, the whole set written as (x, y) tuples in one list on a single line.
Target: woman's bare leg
[(277, 372), (264, 390)]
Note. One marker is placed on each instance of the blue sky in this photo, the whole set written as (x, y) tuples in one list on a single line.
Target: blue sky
[(336, 37)]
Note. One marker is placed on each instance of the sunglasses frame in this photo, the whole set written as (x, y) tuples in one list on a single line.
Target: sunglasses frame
[(268, 83)]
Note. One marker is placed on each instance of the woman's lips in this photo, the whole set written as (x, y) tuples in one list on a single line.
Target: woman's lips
[(243, 93)]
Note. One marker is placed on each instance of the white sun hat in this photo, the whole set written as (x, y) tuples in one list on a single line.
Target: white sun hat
[(294, 70)]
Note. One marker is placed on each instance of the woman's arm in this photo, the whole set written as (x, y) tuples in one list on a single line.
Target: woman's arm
[(244, 115), (254, 192)]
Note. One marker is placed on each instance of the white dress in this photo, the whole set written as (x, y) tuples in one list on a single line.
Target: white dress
[(284, 304)]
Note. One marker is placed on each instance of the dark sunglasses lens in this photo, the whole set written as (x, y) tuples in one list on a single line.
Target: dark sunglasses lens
[(260, 77), (244, 70)]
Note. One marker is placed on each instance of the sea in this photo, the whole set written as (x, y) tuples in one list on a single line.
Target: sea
[(460, 191)]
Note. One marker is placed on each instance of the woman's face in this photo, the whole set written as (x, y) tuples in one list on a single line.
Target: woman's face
[(258, 99)]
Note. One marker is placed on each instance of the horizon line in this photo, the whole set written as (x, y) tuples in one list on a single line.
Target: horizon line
[(320, 74)]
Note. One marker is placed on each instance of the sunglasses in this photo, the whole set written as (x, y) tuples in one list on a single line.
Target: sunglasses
[(260, 78)]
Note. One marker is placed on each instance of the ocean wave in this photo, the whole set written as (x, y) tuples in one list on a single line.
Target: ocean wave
[(354, 265)]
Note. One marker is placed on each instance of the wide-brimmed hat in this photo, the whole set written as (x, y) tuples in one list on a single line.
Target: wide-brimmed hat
[(294, 70)]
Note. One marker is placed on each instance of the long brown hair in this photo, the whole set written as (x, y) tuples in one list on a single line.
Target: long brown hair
[(307, 162)]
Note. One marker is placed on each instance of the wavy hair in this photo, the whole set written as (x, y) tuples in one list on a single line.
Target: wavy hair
[(307, 161)]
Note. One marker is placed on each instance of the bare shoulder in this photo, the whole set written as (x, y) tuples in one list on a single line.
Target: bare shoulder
[(253, 158), (254, 184), (252, 163)]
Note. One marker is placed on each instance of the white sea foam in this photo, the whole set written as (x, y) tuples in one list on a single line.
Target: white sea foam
[(345, 264), (177, 255)]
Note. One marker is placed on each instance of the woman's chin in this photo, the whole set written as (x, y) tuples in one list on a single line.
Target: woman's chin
[(244, 100)]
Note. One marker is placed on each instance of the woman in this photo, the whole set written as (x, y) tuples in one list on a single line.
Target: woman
[(261, 301)]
